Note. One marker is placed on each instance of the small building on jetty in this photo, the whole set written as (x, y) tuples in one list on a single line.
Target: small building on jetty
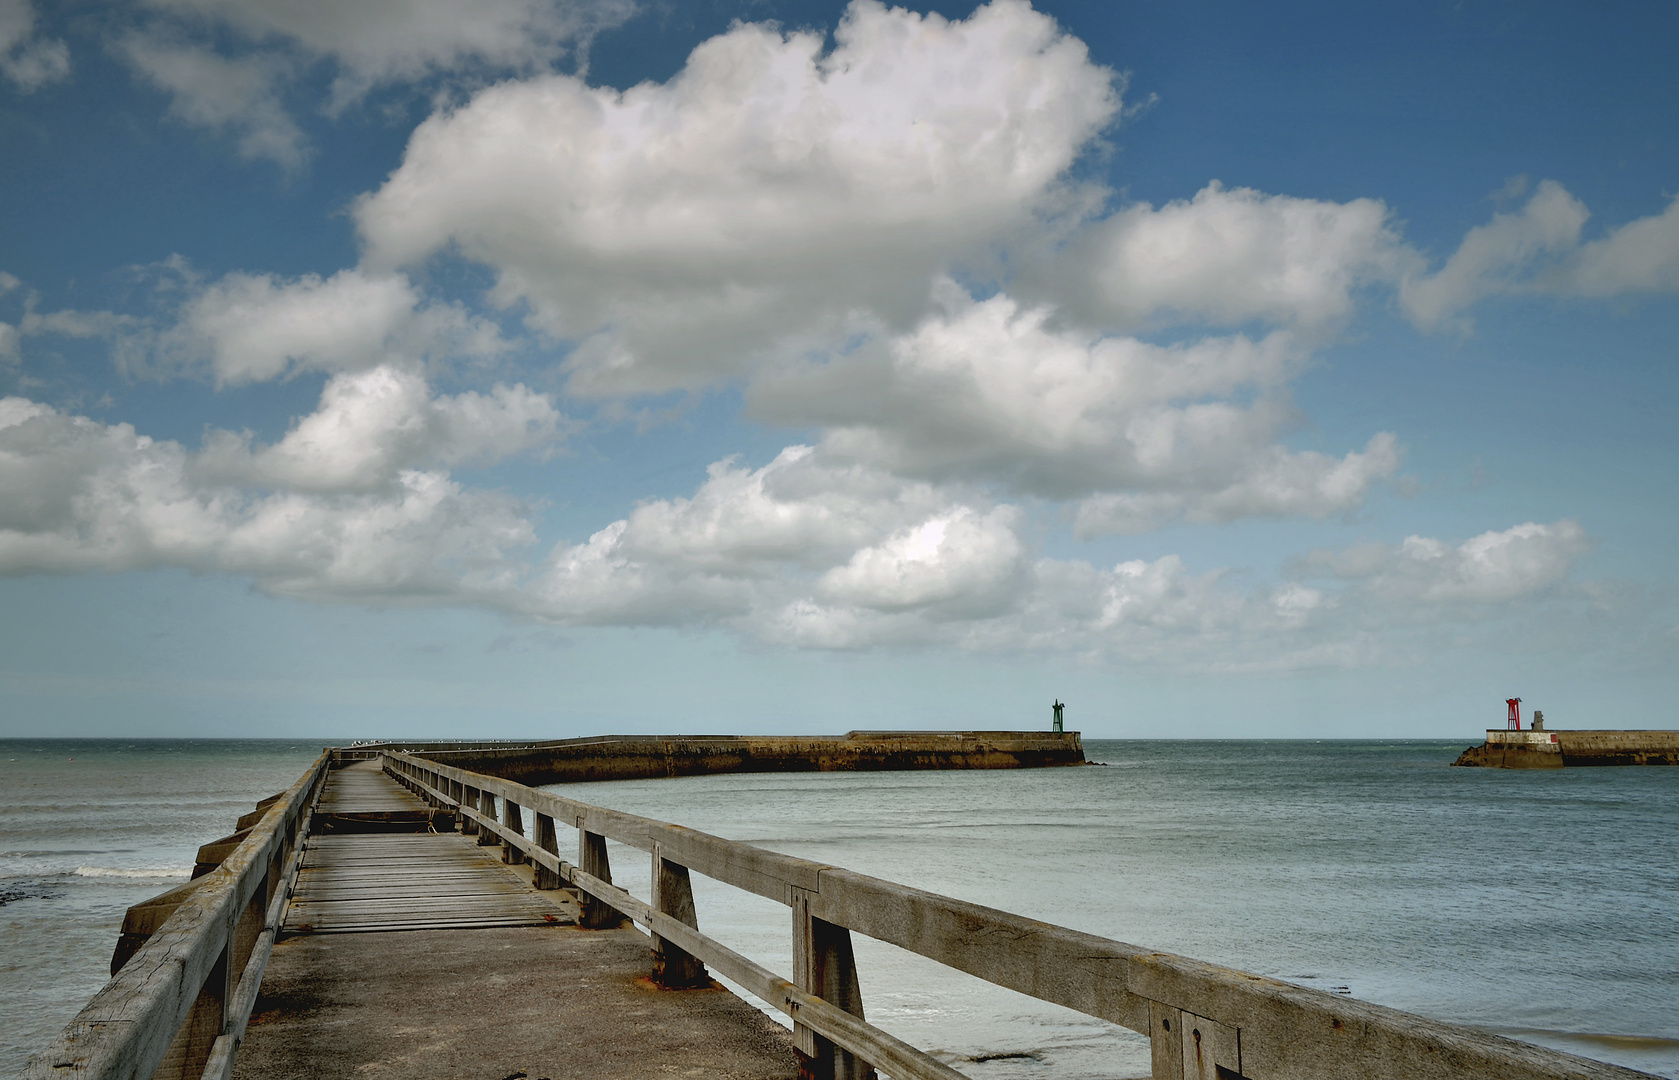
[(280, 959)]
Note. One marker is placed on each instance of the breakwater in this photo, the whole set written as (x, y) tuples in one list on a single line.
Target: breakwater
[(1559, 749), (640, 757)]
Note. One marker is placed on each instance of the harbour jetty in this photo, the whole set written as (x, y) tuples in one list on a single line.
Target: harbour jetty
[(1542, 749), (391, 914), (639, 757)]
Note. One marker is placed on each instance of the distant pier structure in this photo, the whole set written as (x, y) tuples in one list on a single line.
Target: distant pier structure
[(1540, 748), (646, 757)]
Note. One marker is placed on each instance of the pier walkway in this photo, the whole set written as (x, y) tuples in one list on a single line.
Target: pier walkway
[(354, 880), (371, 963)]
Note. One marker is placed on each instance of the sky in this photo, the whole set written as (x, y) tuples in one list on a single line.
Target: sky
[(541, 368)]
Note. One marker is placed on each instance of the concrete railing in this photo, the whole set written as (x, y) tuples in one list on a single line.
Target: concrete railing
[(178, 1006), (1204, 1022)]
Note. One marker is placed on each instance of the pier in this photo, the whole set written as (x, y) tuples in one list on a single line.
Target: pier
[(1545, 749), (392, 913), (478, 957), (643, 757)]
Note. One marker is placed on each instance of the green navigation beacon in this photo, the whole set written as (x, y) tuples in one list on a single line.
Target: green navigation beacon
[(1059, 705)]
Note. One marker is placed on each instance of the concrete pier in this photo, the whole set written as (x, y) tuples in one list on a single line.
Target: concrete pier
[(1559, 749), (494, 1003), (637, 757)]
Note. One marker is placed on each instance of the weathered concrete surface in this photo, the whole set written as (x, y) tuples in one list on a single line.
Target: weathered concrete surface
[(491, 1004), (1516, 750), (1557, 749), (635, 757)]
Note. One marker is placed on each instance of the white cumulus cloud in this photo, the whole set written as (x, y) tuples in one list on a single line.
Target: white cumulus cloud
[(64, 322), (1538, 249), (773, 554), (797, 509), (1228, 256), (78, 495), (960, 563), (991, 391), (1491, 568), (1274, 482), (228, 65), (378, 42), (1640, 256), (744, 539), (255, 327), (372, 424), (762, 195), (1496, 257), (238, 96), (802, 551), (28, 59)]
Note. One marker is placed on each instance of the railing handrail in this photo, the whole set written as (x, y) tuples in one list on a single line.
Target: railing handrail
[(127, 1029), (1250, 1026)]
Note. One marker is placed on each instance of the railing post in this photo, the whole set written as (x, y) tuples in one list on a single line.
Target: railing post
[(515, 820), (547, 841), (275, 879), (487, 807), (190, 1050), (673, 895), (469, 799), (824, 965), (449, 794), (1184, 1046), (246, 928), (591, 859)]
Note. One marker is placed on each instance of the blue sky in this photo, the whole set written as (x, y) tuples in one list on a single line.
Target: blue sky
[(540, 368)]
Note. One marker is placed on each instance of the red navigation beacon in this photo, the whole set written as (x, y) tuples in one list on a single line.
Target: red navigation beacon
[(1515, 717)]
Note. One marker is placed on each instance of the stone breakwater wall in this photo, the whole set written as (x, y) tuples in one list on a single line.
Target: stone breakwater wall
[(1559, 749), (637, 757)]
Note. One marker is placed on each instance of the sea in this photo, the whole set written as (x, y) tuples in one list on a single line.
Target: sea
[(1541, 905)]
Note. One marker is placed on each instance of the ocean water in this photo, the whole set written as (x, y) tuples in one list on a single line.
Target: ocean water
[(1540, 905), (88, 827)]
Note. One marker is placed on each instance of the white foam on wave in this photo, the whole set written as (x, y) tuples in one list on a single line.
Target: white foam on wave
[(148, 872)]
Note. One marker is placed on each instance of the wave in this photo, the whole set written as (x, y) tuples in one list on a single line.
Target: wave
[(143, 872)]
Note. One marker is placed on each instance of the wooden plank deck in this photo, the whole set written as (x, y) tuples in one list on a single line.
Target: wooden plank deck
[(362, 789), (394, 881), (491, 978), (357, 882)]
